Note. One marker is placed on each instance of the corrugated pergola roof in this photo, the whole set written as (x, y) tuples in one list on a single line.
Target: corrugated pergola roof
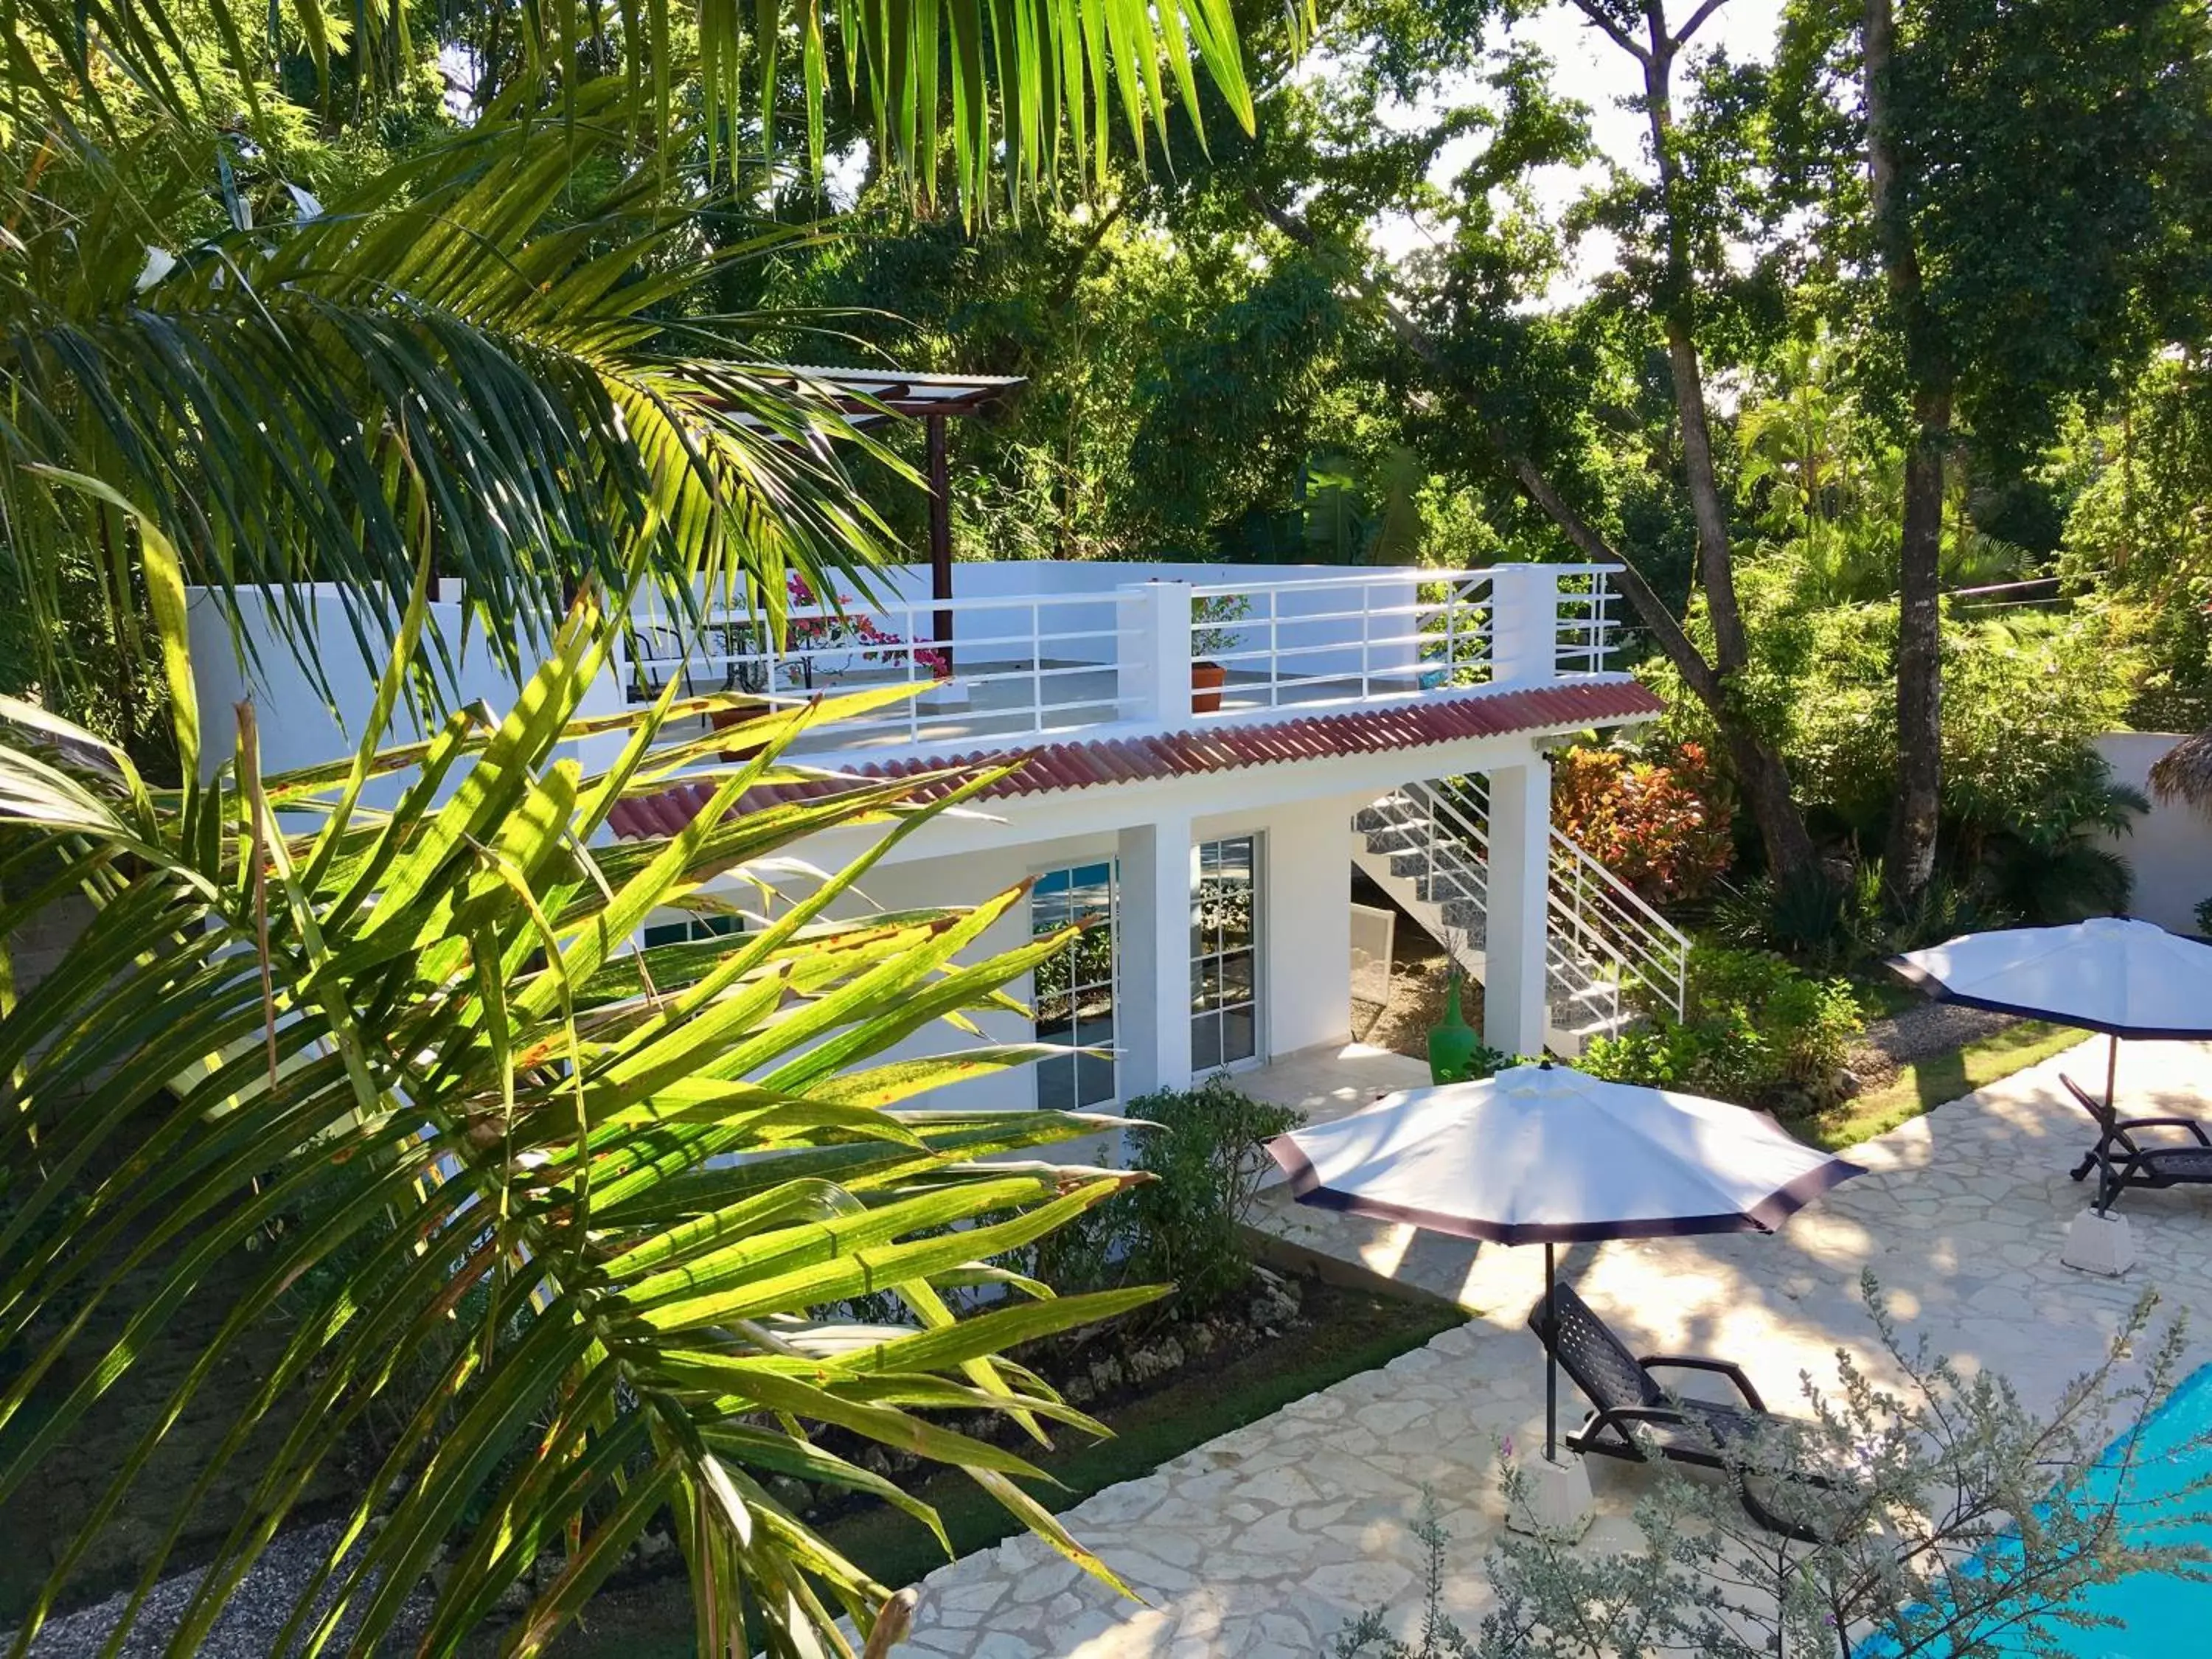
[(900, 391)]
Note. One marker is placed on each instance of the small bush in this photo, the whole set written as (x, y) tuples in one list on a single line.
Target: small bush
[(2205, 916), (1752, 1024), (1206, 1149), (1207, 1152), (1837, 919)]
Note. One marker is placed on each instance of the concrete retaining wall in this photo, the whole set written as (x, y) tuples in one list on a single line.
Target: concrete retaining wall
[(2171, 850)]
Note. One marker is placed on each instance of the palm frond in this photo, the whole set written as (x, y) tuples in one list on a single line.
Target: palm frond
[(457, 362), (2184, 773), (1022, 89)]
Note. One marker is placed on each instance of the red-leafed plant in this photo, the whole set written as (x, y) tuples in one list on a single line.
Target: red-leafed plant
[(835, 627), (1661, 825)]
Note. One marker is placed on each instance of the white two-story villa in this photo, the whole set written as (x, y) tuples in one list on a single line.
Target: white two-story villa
[(1211, 750)]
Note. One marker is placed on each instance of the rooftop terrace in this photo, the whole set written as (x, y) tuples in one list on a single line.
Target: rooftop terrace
[(1064, 651)]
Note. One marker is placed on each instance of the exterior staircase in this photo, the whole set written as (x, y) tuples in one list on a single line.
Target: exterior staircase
[(1427, 845)]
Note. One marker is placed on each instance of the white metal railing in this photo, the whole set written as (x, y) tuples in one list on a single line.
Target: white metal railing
[(1585, 639), (1012, 665), (1352, 638), (1599, 936), (1016, 665)]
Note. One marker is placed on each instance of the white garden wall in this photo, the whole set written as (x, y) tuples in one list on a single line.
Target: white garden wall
[(2171, 850)]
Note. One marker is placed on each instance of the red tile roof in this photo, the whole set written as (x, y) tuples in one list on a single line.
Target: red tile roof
[(1083, 763)]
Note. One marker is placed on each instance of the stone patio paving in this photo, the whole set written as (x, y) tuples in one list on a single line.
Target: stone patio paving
[(1262, 1543)]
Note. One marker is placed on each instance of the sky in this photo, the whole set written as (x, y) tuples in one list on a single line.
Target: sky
[(1592, 68)]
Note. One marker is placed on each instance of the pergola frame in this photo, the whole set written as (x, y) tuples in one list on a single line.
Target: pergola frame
[(865, 396)]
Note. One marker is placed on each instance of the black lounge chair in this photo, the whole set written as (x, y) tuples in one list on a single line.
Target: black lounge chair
[(2124, 1162), (1627, 1398)]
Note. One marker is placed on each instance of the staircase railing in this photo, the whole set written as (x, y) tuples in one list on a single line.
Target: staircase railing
[(1600, 936)]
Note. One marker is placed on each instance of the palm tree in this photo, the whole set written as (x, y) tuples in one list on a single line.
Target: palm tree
[(575, 1228), (580, 1225), (301, 349), (2184, 773)]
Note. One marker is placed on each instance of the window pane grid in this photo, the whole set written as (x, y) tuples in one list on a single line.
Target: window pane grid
[(1073, 990), (1225, 992), (695, 929)]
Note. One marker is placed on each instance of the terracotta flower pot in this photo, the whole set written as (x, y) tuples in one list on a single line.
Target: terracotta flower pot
[(724, 720), (1207, 679)]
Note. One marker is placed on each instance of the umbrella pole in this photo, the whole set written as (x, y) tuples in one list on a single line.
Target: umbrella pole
[(1551, 1369), (2106, 1192)]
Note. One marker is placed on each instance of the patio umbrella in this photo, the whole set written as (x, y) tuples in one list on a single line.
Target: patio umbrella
[(1546, 1155), (2110, 974)]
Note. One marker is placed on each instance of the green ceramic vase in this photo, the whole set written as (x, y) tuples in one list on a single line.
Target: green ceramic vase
[(1453, 1042)]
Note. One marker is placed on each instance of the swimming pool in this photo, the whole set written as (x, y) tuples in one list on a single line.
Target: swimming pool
[(2164, 1617)]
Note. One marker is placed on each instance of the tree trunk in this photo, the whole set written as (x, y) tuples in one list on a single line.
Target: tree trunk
[(1715, 557), (1766, 777), (1909, 862)]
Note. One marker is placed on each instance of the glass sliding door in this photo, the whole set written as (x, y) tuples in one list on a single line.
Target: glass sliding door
[(1073, 988), (1224, 955)]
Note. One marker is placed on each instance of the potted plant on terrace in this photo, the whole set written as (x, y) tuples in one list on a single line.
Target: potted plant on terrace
[(1207, 613)]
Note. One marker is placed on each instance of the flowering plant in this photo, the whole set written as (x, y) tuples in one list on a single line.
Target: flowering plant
[(810, 638)]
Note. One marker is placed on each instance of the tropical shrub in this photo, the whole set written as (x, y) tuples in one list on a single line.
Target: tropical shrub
[(1202, 1152), (1752, 1024), (2047, 864), (1847, 918), (574, 1224), (1662, 826), (1205, 1149)]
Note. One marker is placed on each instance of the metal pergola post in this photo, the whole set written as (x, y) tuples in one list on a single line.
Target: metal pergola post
[(940, 534)]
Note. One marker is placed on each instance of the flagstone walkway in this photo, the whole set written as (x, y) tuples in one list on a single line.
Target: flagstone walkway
[(1261, 1544)]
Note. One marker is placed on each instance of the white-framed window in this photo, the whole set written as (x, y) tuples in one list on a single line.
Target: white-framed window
[(693, 929), (1225, 954), (1073, 989)]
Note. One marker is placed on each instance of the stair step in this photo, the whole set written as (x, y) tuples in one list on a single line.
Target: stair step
[(1408, 839), (1396, 839)]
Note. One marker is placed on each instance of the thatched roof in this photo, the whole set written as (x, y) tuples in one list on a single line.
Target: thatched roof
[(2184, 773)]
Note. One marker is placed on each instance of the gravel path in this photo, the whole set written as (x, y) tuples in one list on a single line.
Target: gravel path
[(1931, 1028), (247, 1630)]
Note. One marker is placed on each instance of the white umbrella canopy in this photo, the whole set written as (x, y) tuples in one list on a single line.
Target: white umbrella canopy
[(1546, 1155), (1543, 1154), (2132, 979)]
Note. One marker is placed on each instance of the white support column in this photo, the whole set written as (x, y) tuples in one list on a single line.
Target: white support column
[(1513, 992), (1153, 1014), (1153, 683), (1524, 624)]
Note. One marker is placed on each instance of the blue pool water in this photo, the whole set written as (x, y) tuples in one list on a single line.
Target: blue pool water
[(2164, 1617)]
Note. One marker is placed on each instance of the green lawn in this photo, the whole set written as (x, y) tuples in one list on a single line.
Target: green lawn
[(1929, 1082)]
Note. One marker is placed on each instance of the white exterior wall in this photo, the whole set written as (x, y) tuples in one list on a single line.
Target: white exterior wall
[(299, 726), (1305, 938), (2171, 850)]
